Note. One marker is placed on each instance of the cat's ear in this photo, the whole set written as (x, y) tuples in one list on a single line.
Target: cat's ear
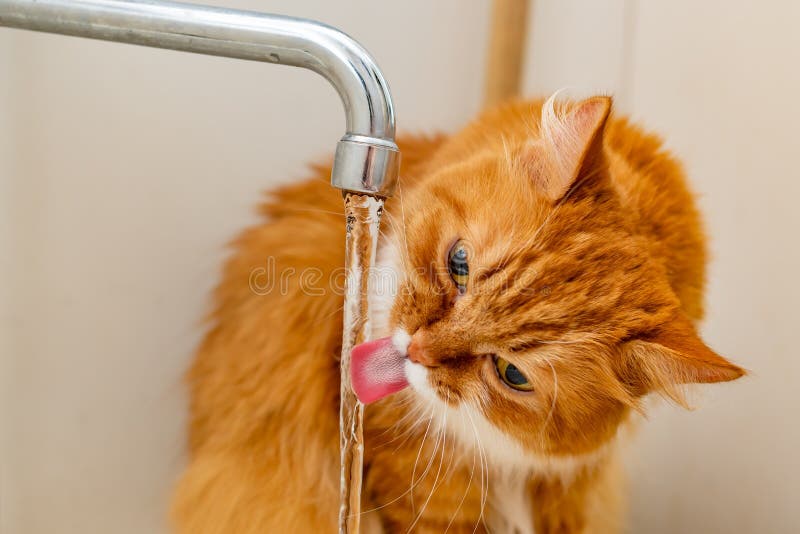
[(670, 357), (571, 144)]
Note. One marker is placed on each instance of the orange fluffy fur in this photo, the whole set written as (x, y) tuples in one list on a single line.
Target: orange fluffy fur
[(586, 272)]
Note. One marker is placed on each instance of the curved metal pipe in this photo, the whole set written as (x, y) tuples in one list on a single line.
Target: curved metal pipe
[(367, 159)]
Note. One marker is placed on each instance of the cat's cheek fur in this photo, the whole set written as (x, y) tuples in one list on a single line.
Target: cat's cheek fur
[(504, 454)]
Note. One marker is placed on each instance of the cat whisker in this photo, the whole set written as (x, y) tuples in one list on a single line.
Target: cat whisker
[(404, 404), (403, 216), (391, 237), (408, 435), (334, 312), (419, 453), (413, 485), (438, 470), (419, 420), (397, 233), (469, 484), (412, 413), (484, 471), (452, 464)]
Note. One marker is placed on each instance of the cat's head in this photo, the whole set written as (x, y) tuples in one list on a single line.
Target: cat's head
[(529, 304)]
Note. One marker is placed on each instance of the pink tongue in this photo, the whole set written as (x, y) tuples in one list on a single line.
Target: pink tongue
[(376, 370)]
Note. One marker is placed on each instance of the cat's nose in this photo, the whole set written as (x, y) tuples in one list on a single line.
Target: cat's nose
[(418, 351)]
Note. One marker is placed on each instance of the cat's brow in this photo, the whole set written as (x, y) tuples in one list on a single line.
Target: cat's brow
[(525, 345), (538, 329), (484, 274)]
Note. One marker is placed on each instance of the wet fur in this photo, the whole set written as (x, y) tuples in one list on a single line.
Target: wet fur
[(612, 261)]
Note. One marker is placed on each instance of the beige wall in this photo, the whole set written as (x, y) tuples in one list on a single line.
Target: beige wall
[(125, 170), (9, 184), (718, 79)]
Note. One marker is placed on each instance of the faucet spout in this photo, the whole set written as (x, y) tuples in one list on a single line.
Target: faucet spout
[(367, 159)]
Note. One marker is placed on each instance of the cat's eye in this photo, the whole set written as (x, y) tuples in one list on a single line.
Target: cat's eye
[(457, 265), (512, 376)]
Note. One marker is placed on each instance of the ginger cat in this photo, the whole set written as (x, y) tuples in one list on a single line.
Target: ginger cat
[(543, 270)]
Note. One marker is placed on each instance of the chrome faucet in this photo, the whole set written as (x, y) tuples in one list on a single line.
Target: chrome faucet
[(367, 159)]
